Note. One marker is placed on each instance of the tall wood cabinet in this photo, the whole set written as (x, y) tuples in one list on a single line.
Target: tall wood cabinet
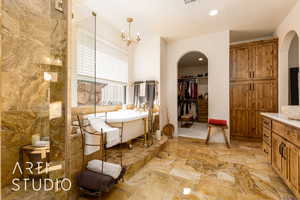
[(253, 86)]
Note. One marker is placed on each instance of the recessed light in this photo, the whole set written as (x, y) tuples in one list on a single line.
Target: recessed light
[(213, 12), (200, 59)]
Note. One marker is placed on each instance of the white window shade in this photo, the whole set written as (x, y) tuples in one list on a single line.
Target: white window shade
[(111, 62)]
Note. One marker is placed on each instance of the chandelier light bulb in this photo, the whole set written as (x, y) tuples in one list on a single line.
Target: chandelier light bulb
[(127, 36)]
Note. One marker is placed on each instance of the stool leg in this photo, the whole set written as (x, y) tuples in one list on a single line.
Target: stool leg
[(208, 135), (225, 137)]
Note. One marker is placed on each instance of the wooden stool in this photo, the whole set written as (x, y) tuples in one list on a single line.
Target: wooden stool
[(187, 118), (223, 127), (34, 154)]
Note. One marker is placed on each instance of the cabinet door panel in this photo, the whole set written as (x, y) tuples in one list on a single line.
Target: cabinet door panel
[(252, 124), (276, 157), (239, 64), (239, 95), (239, 103), (239, 123), (265, 93), (293, 166), (265, 65), (259, 124)]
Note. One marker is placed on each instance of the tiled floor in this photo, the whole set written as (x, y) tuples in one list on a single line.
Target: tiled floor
[(187, 169), (204, 172)]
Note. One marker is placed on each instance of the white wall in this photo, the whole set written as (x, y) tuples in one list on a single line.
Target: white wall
[(146, 59), (294, 53), (216, 47), (162, 87), (286, 32)]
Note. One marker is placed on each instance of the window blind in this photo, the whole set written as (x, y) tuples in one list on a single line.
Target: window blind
[(111, 62), (111, 66)]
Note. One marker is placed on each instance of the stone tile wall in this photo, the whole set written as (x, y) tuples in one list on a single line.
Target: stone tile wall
[(34, 41)]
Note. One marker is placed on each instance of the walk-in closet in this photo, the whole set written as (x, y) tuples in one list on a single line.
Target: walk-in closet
[(193, 95)]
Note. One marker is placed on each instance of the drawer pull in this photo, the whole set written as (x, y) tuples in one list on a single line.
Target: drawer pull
[(266, 136), (267, 123)]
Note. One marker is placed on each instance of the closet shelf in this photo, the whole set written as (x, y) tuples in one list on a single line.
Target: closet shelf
[(193, 78)]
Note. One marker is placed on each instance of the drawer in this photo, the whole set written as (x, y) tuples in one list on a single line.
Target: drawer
[(267, 152), (279, 128), (267, 136), (267, 123), (292, 135)]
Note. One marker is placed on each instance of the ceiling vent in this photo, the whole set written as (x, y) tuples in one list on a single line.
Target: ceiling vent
[(189, 1)]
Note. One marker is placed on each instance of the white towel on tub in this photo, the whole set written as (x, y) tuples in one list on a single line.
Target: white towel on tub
[(113, 135), (111, 169)]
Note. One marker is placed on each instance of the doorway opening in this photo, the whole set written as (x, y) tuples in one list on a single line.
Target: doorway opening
[(193, 95), (293, 63)]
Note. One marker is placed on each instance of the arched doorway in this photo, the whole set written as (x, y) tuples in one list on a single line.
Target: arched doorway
[(293, 63), (288, 50), (192, 95)]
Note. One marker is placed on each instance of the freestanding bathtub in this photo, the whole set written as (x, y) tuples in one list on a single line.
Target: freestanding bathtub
[(134, 122)]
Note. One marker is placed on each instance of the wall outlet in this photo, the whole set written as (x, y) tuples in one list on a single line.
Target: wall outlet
[(59, 5)]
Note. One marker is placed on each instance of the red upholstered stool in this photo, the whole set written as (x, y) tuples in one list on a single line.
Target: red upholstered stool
[(217, 123)]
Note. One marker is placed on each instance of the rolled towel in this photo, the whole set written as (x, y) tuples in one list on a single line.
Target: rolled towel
[(111, 169), (143, 90)]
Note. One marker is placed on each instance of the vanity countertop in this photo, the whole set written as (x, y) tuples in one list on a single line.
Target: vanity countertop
[(281, 118)]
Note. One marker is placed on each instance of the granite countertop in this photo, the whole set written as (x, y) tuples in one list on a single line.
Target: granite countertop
[(281, 118)]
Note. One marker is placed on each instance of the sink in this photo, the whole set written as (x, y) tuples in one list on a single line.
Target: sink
[(291, 112)]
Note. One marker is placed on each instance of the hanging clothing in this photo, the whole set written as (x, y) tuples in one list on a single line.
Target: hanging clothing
[(136, 95), (151, 93)]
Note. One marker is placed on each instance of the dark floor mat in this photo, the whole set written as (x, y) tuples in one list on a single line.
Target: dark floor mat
[(187, 125)]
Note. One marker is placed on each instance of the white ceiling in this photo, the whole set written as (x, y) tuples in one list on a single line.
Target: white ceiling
[(172, 19)]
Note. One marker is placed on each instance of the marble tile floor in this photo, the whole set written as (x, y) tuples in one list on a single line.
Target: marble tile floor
[(133, 159), (187, 169)]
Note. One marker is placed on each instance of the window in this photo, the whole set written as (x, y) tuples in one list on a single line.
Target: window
[(111, 72)]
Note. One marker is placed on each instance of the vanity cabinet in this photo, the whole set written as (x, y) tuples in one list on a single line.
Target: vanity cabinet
[(281, 145)]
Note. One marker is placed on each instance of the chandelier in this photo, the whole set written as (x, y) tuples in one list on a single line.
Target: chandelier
[(127, 36)]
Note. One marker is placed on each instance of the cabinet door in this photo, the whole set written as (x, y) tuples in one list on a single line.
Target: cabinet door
[(265, 65), (239, 95), (239, 123), (276, 156), (285, 160), (239, 64), (293, 166), (239, 103), (265, 96), (254, 124)]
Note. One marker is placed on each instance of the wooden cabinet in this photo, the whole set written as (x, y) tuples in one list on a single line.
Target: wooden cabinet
[(265, 61), (284, 151), (239, 64), (253, 86), (264, 93)]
